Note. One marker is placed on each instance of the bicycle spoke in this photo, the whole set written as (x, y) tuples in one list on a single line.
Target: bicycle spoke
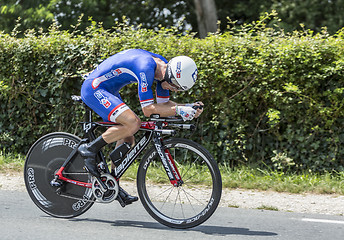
[(185, 180), (191, 164), (181, 203), (166, 198), (186, 195), (159, 194), (197, 188), (174, 207)]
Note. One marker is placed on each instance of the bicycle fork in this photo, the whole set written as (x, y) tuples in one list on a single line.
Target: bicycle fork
[(168, 162)]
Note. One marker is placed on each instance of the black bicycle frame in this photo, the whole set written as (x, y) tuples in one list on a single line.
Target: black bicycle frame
[(132, 155), (154, 130)]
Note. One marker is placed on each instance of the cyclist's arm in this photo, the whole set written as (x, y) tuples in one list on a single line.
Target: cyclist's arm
[(166, 109)]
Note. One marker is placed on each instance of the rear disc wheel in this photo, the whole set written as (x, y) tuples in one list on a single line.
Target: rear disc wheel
[(43, 160)]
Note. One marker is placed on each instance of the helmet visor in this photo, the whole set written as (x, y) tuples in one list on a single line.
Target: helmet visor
[(175, 84), (169, 77)]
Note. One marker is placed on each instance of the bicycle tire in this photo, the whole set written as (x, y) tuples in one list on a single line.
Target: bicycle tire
[(188, 205), (43, 160)]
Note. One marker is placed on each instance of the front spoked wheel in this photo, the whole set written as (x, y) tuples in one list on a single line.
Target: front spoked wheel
[(195, 200)]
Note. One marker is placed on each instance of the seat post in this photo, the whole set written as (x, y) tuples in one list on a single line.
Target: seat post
[(88, 114), (88, 111)]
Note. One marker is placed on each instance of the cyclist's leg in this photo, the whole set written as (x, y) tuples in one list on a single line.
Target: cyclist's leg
[(112, 134), (130, 140), (126, 197), (110, 107), (129, 124), (89, 152)]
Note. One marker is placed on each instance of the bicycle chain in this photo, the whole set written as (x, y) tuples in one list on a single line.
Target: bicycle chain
[(75, 198), (59, 192)]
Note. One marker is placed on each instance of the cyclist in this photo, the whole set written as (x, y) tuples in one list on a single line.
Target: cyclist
[(100, 91)]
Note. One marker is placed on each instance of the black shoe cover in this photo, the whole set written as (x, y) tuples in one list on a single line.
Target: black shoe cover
[(127, 199), (90, 159)]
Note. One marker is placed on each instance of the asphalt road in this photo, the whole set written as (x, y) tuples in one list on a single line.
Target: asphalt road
[(21, 219)]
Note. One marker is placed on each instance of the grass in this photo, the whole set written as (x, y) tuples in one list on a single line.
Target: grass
[(267, 180), (270, 208), (11, 162), (306, 182), (243, 177)]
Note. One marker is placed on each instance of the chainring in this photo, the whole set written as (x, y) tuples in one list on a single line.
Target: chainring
[(110, 194)]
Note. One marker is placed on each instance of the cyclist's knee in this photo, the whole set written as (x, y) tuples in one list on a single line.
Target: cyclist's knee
[(130, 121), (133, 124)]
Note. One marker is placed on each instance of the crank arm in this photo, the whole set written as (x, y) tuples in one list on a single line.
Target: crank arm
[(101, 184)]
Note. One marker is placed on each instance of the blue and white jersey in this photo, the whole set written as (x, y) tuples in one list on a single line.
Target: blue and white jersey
[(100, 90), (130, 66)]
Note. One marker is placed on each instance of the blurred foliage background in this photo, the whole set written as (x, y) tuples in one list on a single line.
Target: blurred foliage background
[(273, 99), (272, 82)]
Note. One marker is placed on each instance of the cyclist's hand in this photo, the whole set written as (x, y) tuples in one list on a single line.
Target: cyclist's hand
[(198, 106), (186, 112)]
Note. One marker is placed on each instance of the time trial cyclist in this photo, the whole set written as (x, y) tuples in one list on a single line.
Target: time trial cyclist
[(100, 91)]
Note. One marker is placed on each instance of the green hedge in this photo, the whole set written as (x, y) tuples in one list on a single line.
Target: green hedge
[(272, 99)]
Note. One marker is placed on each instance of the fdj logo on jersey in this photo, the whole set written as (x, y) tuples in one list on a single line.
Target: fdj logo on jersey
[(102, 99), (113, 73), (144, 83)]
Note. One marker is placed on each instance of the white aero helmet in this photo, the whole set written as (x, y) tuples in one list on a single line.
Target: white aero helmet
[(181, 72)]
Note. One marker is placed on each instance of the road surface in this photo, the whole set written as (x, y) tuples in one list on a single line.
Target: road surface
[(21, 219)]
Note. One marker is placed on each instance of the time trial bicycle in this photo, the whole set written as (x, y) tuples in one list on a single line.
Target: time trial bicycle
[(178, 180)]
